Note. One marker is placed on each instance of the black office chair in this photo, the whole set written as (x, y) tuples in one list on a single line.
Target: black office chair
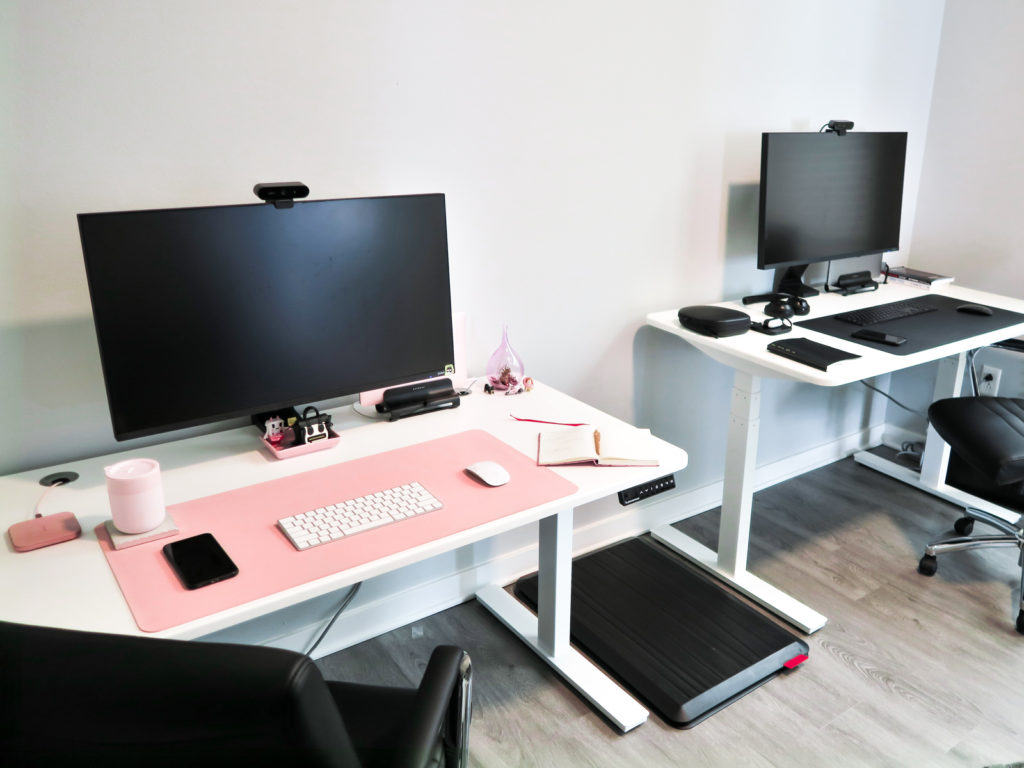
[(987, 433), (78, 698)]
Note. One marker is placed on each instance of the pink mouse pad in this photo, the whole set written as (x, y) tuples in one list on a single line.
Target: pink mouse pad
[(244, 521)]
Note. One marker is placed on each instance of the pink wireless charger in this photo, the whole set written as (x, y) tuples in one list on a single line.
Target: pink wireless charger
[(136, 495)]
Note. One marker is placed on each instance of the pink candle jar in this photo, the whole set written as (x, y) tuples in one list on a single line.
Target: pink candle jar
[(136, 495)]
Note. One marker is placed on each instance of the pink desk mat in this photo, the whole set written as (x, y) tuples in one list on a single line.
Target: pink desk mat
[(244, 521)]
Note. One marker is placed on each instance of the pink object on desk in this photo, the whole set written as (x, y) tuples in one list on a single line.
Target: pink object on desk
[(244, 522), (43, 531), (136, 495)]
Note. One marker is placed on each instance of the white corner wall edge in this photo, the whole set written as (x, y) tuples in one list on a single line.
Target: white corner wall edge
[(409, 595)]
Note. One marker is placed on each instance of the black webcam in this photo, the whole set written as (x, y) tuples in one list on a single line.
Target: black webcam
[(281, 193), (840, 127)]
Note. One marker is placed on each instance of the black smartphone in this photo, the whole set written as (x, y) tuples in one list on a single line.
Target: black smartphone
[(880, 336), (199, 561)]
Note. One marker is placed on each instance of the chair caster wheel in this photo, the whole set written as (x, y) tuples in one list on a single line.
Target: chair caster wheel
[(964, 526), (928, 565), (1020, 622)]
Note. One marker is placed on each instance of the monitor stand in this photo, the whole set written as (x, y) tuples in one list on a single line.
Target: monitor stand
[(368, 411), (793, 284)]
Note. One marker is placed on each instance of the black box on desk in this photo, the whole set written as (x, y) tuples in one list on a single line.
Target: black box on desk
[(714, 321)]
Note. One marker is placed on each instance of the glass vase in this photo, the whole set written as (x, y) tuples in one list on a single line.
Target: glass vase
[(505, 369)]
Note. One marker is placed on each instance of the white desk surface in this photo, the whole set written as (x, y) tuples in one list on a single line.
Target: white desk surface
[(748, 351), (70, 584)]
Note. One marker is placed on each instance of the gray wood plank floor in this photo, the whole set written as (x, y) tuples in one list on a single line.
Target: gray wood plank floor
[(909, 670)]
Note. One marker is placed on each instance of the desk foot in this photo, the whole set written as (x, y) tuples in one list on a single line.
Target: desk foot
[(775, 600), (953, 495), (599, 689)]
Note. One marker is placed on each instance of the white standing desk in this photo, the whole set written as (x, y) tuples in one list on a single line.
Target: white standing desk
[(70, 584), (747, 354)]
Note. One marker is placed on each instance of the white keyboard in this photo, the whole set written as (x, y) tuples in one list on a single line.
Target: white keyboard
[(347, 518)]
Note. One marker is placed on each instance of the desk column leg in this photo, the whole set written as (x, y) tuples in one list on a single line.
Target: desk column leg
[(948, 383), (730, 563), (547, 633), (554, 582), (740, 467)]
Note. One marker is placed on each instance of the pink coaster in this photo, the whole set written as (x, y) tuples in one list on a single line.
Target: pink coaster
[(244, 521)]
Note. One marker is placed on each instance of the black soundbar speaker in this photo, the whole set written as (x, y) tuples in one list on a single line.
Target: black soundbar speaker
[(853, 279), (419, 393)]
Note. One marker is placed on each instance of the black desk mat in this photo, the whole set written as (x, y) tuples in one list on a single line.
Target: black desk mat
[(924, 331), (676, 639)]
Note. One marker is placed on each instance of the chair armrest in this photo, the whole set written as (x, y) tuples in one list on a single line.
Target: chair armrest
[(431, 706)]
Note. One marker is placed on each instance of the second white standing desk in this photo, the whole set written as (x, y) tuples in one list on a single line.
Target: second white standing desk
[(747, 354)]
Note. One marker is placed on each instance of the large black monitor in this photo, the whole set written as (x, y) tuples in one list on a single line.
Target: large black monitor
[(204, 314), (828, 196)]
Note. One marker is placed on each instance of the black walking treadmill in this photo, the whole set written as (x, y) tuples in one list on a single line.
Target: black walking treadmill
[(674, 637)]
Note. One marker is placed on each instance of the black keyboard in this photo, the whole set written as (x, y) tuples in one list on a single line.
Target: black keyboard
[(885, 312)]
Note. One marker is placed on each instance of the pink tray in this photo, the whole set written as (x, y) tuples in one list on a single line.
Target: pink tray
[(244, 522), (292, 451)]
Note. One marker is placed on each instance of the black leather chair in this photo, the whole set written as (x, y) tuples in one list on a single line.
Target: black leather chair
[(84, 698), (987, 433)]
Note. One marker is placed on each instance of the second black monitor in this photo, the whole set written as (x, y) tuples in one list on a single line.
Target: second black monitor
[(827, 196)]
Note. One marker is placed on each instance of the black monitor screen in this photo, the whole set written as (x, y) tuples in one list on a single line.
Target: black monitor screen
[(204, 314), (829, 196)]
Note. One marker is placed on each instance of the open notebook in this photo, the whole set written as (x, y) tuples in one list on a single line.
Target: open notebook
[(586, 445)]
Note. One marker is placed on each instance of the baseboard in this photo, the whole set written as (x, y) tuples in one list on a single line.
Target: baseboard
[(410, 594)]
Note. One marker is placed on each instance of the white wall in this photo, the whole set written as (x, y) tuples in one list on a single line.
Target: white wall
[(968, 221), (600, 161)]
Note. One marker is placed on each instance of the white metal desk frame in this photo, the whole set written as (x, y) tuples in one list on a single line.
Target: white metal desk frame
[(747, 354), (70, 585)]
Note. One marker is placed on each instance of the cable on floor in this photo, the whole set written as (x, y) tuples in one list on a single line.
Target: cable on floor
[(911, 450)]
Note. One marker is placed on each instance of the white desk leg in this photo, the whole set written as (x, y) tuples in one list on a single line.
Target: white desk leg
[(948, 383), (730, 563), (548, 632), (554, 582), (934, 460), (740, 466)]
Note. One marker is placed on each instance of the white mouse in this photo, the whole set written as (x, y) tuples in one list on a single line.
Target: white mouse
[(489, 472)]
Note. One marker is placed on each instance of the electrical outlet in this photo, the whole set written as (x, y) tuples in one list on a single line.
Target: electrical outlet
[(988, 382)]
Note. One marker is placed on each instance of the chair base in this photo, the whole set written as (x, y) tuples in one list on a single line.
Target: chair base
[(1011, 536)]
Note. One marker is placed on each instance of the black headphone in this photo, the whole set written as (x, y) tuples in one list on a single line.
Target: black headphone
[(780, 304)]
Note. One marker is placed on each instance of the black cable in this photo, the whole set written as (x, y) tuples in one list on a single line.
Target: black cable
[(908, 449), (975, 386), (911, 450), (344, 604), (901, 405)]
